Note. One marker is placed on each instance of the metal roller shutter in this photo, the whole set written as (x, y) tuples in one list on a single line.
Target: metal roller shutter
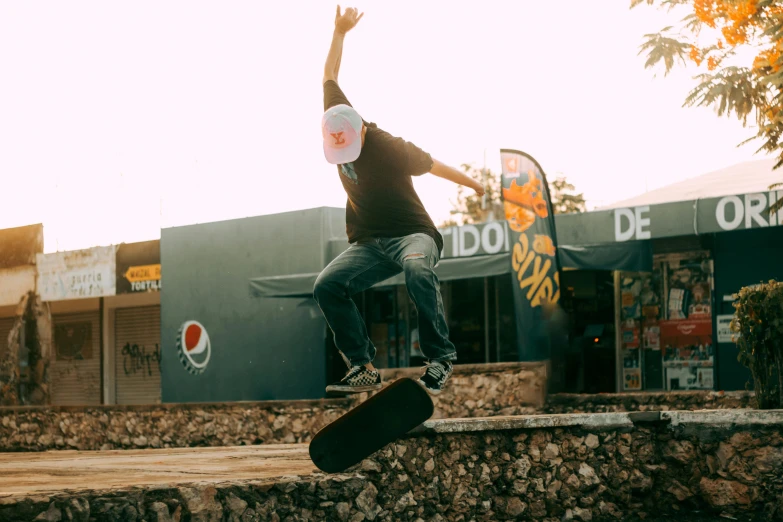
[(137, 355), (75, 373)]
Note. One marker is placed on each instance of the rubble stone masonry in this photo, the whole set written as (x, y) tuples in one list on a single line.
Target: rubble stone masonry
[(473, 391), (680, 466)]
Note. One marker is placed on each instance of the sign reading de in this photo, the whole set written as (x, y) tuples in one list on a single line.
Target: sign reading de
[(685, 218), (632, 224)]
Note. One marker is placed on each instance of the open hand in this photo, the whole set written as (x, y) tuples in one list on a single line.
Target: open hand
[(345, 22)]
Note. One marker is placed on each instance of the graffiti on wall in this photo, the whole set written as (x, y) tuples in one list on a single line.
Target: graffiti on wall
[(137, 360)]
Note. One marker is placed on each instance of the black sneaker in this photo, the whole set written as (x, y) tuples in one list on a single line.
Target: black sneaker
[(358, 379), (435, 376)]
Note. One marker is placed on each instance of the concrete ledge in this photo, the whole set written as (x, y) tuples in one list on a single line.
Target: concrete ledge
[(461, 369), (723, 418), (531, 422), (307, 403), (598, 421), (508, 393)]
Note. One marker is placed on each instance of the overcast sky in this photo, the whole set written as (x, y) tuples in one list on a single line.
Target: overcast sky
[(119, 118)]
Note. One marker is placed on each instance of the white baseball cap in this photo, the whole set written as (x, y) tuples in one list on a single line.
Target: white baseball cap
[(341, 127)]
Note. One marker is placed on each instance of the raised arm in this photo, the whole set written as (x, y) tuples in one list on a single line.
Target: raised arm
[(444, 171), (342, 24)]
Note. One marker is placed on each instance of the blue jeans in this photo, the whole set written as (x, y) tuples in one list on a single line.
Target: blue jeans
[(369, 262)]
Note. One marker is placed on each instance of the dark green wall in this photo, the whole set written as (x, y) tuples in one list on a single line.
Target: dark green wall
[(261, 348), (742, 258)]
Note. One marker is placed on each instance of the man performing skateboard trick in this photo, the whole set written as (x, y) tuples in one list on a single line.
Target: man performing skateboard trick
[(388, 228)]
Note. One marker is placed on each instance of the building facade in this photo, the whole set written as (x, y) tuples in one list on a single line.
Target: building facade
[(103, 305), (647, 291)]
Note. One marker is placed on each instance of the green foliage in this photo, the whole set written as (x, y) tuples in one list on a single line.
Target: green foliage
[(730, 91), (751, 91), (660, 47), (758, 325), (564, 201), (471, 209)]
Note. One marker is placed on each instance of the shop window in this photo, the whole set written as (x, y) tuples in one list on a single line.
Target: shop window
[(480, 318), (379, 314), (666, 324), (640, 306), (504, 325), (686, 328), (466, 320)]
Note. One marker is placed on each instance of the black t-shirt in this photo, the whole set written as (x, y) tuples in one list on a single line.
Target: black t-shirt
[(381, 199)]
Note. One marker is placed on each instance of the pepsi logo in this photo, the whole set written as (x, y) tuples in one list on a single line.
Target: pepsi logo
[(194, 347)]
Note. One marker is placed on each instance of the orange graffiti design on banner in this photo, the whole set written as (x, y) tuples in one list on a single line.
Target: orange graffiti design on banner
[(522, 203), (544, 245), (542, 287)]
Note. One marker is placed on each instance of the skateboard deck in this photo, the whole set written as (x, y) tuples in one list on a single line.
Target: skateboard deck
[(381, 419)]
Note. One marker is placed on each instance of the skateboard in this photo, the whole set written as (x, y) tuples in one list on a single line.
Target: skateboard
[(381, 419)]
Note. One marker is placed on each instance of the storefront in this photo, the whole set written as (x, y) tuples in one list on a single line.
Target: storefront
[(666, 324), (105, 307), (75, 371), (134, 315), (74, 283), (588, 364), (475, 273), (479, 313), (224, 338), (671, 320), (647, 291)]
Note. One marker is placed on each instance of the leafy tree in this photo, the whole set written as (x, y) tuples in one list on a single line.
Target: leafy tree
[(719, 36), (470, 208), (564, 201)]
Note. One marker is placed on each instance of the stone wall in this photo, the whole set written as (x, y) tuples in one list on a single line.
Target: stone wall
[(473, 391), (643, 466), (165, 425), (484, 390), (648, 401), (481, 390)]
